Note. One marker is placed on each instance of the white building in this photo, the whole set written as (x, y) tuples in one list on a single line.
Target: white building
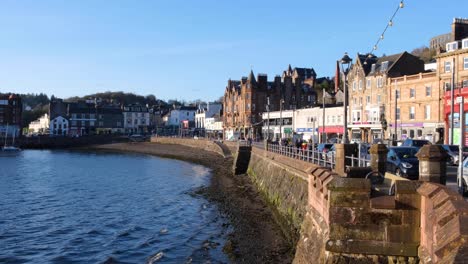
[(211, 110), (278, 124), (184, 113), (308, 122), (40, 126), (136, 118), (59, 126)]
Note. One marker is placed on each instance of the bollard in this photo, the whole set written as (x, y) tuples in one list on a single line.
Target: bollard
[(432, 164), (378, 157)]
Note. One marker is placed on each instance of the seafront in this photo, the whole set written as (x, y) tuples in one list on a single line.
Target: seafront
[(256, 237)]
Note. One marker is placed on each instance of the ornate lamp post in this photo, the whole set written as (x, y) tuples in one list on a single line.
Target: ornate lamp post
[(345, 64)]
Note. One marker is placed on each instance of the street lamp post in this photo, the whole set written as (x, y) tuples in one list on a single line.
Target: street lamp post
[(281, 119), (268, 121), (324, 134), (345, 64)]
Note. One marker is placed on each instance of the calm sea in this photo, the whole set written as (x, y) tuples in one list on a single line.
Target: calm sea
[(84, 207)]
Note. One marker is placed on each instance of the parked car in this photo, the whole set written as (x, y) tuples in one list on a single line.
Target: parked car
[(453, 152), (418, 143), (403, 162), (463, 189)]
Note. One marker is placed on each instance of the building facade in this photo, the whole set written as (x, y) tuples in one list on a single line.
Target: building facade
[(415, 108), (369, 88), (246, 100), (136, 118), (11, 109), (39, 126), (452, 67)]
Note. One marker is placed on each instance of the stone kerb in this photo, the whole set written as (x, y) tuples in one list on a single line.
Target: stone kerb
[(444, 225)]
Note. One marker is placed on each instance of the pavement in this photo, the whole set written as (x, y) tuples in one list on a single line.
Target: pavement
[(452, 178)]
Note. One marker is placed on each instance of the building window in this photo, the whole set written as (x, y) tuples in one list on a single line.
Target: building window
[(360, 84), (412, 93), (91, 123), (411, 112), (360, 100), (380, 82), (372, 68), (368, 84), (427, 112), (465, 63), (465, 44), (397, 94), (384, 66), (354, 85), (355, 101), (428, 91), (451, 46), (447, 86), (411, 133), (379, 99), (419, 133), (248, 107), (368, 99), (101, 124), (253, 107), (398, 113), (447, 66)]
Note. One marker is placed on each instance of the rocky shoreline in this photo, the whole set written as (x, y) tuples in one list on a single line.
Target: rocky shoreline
[(256, 238)]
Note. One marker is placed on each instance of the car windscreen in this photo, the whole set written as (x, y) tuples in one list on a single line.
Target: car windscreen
[(406, 153), (420, 143), (453, 149)]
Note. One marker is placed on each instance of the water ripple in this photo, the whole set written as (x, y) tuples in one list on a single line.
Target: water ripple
[(80, 207)]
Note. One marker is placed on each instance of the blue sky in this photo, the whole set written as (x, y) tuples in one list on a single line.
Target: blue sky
[(188, 49)]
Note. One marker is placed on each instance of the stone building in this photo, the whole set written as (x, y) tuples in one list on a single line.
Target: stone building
[(11, 108), (452, 67), (369, 85), (136, 118), (419, 110), (247, 99)]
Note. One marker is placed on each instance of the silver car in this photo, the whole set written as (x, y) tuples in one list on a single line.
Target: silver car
[(464, 187)]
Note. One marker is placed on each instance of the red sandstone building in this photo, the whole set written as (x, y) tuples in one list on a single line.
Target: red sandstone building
[(246, 100)]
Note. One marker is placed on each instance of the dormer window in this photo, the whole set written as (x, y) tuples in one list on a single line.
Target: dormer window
[(465, 43), (451, 46), (384, 66), (372, 68)]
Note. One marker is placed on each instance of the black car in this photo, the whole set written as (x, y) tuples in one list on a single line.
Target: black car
[(418, 143), (403, 162)]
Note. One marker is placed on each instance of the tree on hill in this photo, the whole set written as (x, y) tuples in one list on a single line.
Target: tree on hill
[(426, 54), (119, 98)]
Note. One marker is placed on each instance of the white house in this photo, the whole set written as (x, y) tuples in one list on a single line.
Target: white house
[(311, 123), (184, 113), (59, 126), (136, 118), (40, 126), (211, 110)]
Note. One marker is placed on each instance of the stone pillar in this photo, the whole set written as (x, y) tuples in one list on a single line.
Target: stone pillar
[(342, 151), (432, 164), (378, 157)]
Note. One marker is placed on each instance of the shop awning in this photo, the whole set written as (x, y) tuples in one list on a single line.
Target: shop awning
[(331, 129)]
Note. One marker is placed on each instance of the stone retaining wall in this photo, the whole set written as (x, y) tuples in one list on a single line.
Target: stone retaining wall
[(283, 182), (207, 145)]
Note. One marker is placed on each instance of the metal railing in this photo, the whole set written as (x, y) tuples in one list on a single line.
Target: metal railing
[(325, 159)]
